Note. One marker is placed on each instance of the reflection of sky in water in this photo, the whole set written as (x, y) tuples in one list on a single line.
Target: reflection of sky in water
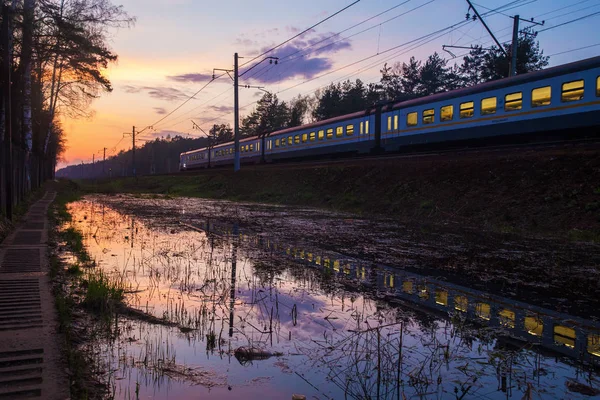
[(332, 340)]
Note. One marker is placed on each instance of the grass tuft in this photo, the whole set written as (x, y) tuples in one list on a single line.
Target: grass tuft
[(103, 293)]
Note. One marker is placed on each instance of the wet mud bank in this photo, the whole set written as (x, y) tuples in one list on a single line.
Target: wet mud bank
[(260, 300), (549, 192)]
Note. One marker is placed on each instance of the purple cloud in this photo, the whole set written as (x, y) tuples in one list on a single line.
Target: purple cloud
[(160, 110), (157, 92), (192, 78), (300, 58), (221, 109)]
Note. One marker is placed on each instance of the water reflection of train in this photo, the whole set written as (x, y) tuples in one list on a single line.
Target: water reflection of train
[(565, 334)]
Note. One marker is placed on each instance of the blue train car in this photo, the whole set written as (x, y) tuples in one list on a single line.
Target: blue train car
[(565, 98)]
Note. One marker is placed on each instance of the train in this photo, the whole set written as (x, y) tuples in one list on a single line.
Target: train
[(564, 98)]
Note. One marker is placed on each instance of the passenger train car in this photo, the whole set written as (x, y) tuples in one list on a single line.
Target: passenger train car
[(562, 98)]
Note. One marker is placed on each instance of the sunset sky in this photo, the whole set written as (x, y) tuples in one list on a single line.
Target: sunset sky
[(170, 52)]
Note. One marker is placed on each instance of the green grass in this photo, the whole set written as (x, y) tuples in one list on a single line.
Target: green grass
[(103, 294), (74, 241)]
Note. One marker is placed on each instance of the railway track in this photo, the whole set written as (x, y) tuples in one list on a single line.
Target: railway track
[(592, 143)]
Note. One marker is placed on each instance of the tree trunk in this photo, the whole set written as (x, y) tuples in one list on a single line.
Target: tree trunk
[(28, 21)]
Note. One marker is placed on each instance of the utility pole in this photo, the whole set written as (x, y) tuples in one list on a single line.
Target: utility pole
[(514, 48), (104, 163), (236, 102), (236, 112), (132, 148)]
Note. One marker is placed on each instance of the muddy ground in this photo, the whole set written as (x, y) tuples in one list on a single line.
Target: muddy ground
[(554, 274), (551, 191)]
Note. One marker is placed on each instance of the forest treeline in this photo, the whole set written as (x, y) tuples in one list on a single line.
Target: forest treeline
[(400, 81), (54, 53)]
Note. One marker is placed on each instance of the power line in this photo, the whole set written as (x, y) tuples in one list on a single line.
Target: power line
[(514, 4), (300, 34), (347, 29), (572, 50), (562, 8), (182, 104), (358, 33), (570, 22)]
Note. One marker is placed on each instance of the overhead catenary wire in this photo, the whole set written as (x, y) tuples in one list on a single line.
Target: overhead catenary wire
[(253, 59), (358, 33), (570, 22), (349, 28), (300, 34), (267, 69), (443, 31)]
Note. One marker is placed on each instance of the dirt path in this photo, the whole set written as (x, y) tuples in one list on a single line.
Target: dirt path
[(31, 365)]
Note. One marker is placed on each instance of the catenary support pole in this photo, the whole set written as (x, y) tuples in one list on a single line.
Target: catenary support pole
[(514, 48), (236, 112), (133, 150)]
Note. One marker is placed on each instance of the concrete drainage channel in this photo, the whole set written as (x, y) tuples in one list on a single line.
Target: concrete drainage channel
[(30, 357)]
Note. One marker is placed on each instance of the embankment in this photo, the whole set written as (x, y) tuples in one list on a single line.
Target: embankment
[(543, 191)]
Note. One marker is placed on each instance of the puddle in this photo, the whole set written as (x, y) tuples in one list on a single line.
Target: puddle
[(254, 309)]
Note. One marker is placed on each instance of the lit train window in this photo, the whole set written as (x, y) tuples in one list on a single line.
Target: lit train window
[(313, 136), (466, 109), (594, 345), (488, 106), (507, 318), (423, 292), (541, 96), (395, 122), (283, 142), (441, 297), (446, 113), (598, 86), (339, 131), (389, 123), (362, 128), (564, 335), (297, 139), (572, 91), (483, 311), (248, 148), (290, 140), (350, 130), (270, 146), (321, 135), (411, 119), (367, 127), (513, 101), (257, 146), (329, 133), (534, 326), (429, 116), (407, 287), (304, 137), (461, 303), (251, 147)]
